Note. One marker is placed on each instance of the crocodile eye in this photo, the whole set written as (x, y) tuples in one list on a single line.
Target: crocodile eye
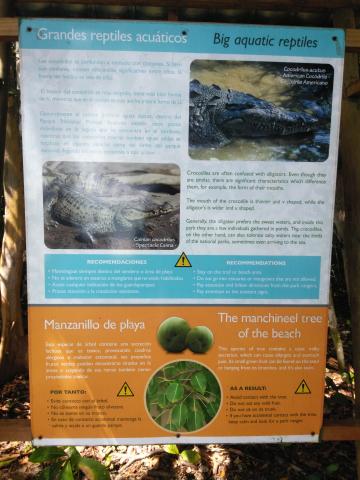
[(213, 101), (194, 94)]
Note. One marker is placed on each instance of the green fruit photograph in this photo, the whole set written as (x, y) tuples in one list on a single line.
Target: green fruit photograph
[(200, 339), (183, 396), (172, 334)]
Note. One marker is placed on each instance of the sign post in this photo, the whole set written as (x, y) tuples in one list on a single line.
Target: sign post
[(179, 183)]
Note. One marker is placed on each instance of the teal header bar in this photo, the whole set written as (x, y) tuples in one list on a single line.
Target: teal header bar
[(142, 36)]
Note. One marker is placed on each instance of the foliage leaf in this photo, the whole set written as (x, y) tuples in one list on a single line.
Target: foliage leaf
[(174, 392), (199, 382), (313, 476), (74, 455), (332, 468), (46, 454), (161, 400), (171, 448), (66, 472), (152, 388), (212, 408), (191, 456), (50, 473), (197, 418), (170, 371), (179, 415), (93, 469), (213, 385)]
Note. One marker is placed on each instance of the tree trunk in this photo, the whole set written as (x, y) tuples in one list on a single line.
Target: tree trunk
[(336, 337), (4, 77), (13, 346)]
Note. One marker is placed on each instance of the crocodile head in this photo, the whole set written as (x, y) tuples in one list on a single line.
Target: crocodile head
[(244, 115), (125, 217), (219, 116)]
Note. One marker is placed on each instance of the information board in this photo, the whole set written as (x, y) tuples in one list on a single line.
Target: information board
[(179, 186)]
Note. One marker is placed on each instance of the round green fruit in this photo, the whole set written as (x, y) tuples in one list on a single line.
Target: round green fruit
[(200, 339), (172, 334)]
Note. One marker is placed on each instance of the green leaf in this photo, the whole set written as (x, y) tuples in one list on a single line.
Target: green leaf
[(191, 456), (196, 417), (152, 388), (170, 371), (46, 454), (213, 385), (332, 468), (313, 476), (183, 365), (161, 400), (50, 473), (179, 415), (74, 455), (171, 448), (93, 469), (66, 472), (212, 408), (199, 382), (174, 392)]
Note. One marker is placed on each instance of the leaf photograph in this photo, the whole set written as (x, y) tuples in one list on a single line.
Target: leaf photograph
[(183, 396)]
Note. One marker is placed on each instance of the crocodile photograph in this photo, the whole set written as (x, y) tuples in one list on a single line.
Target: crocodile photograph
[(274, 113), (111, 205)]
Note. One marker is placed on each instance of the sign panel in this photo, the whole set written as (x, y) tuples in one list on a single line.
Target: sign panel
[(105, 374), (179, 183)]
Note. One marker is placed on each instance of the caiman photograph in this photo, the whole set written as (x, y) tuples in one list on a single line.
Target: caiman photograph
[(260, 111), (92, 205)]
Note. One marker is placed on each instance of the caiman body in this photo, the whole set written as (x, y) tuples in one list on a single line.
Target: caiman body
[(219, 116), (93, 218)]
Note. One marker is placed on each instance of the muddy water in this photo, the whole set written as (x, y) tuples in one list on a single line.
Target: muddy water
[(264, 80)]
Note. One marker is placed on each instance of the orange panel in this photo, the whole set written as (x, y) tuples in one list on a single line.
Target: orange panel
[(91, 371)]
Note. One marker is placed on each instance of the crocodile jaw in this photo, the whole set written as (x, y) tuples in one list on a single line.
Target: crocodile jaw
[(247, 116), (262, 123)]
